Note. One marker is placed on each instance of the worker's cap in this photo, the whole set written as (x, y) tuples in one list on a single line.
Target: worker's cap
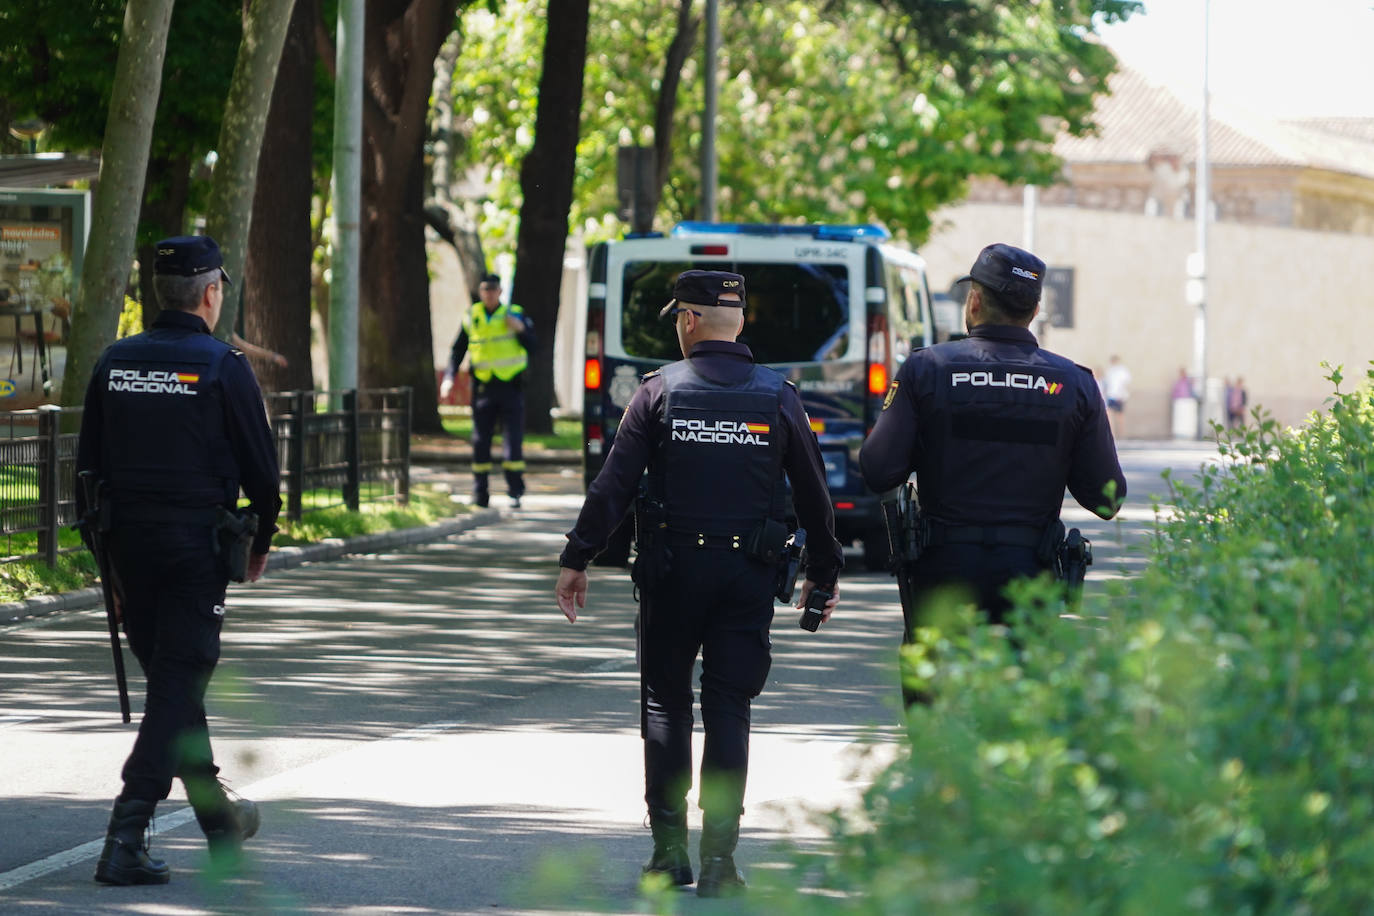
[(489, 281), (705, 287), (189, 256), (1012, 272)]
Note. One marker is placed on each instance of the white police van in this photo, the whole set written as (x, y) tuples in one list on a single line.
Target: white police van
[(836, 309)]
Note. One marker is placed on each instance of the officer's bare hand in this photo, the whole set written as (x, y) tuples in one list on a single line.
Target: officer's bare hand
[(806, 588), (571, 591), (515, 324), (257, 565)]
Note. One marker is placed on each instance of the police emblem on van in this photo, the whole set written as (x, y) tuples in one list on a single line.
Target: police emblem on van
[(1023, 380)]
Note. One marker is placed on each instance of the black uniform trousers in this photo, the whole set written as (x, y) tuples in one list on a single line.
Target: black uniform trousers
[(719, 603), (970, 572), (173, 587), (492, 402)]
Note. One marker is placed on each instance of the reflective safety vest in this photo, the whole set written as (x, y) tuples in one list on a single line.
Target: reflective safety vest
[(492, 348)]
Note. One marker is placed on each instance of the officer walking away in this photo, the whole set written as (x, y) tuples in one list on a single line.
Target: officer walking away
[(716, 433), (173, 426), (994, 428), (497, 339)]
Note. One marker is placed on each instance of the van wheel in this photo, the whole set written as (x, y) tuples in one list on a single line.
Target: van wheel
[(876, 553)]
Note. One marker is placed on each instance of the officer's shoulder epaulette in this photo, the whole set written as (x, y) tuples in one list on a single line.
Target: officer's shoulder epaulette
[(791, 384), (1084, 368), (652, 373)]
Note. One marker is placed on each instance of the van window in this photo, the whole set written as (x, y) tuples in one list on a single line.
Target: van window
[(796, 312)]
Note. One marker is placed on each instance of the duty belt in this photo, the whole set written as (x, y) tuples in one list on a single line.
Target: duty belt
[(158, 514), (706, 541), (987, 535)]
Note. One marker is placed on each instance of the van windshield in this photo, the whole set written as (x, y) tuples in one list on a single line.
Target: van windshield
[(796, 312)]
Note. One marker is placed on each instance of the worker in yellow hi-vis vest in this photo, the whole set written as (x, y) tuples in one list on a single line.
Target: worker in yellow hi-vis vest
[(496, 338)]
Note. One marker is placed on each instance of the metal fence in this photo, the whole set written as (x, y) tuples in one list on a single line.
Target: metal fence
[(336, 449), (342, 448), (37, 476)]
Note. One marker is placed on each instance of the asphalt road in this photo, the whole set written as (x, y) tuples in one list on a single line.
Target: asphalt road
[(425, 732)]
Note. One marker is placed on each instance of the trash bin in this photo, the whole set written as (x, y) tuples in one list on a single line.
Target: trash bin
[(1185, 418)]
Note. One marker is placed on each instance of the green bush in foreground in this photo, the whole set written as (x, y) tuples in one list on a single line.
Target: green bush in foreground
[(1206, 747)]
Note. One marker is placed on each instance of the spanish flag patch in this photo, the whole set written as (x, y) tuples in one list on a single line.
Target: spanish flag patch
[(188, 377), (757, 427)]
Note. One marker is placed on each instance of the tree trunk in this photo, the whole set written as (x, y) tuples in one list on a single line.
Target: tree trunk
[(665, 107), (123, 165), (230, 207), (276, 277), (395, 343), (546, 183), (165, 194)]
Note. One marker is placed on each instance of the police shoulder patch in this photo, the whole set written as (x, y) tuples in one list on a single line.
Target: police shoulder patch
[(652, 373), (1084, 368), (891, 393)]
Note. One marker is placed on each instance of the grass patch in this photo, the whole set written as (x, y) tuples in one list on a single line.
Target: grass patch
[(29, 578), (426, 505), (567, 434)]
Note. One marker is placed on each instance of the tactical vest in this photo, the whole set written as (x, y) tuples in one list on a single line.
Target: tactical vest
[(165, 431), (492, 347), (721, 465), (988, 416)]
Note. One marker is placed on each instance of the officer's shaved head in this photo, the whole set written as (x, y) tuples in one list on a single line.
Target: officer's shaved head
[(183, 294)]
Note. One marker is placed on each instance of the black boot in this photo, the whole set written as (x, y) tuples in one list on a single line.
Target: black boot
[(670, 845), (125, 859), (226, 822), (719, 876)]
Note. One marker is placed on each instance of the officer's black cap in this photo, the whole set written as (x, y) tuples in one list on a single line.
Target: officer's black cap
[(189, 256), (490, 281), (1014, 273), (705, 287)]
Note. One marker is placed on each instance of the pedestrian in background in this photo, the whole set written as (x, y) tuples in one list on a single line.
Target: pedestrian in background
[(497, 339), (1236, 400), (716, 433), (173, 427), (1116, 385), (994, 428)]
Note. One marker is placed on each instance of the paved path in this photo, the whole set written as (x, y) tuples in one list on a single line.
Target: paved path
[(427, 734)]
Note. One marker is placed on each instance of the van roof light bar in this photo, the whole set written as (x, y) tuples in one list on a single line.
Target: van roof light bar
[(833, 233)]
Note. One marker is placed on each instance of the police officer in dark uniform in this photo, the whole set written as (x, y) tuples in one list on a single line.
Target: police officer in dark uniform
[(995, 428), (173, 425), (716, 433)]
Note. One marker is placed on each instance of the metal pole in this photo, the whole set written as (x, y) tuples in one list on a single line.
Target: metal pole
[(1200, 213), (708, 116), (346, 197)]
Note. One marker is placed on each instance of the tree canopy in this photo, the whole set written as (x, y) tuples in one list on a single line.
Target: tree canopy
[(852, 110)]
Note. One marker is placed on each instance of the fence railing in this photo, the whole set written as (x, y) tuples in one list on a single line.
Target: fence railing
[(336, 448), (342, 448)]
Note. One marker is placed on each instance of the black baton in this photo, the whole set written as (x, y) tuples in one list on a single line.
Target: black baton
[(96, 541)]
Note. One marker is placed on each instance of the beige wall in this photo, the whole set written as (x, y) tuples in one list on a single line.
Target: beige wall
[(1280, 300)]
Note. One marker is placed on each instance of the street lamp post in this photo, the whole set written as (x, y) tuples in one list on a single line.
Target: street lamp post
[(1197, 261)]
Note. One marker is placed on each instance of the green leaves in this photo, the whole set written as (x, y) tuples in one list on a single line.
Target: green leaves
[(1202, 745), (849, 111)]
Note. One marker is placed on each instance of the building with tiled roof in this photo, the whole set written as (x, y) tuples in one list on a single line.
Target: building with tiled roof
[(1309, 174)]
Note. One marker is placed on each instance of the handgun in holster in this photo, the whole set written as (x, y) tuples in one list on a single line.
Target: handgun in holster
[(234, 533), (794, 557), (652, 557), (1075, 557)]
